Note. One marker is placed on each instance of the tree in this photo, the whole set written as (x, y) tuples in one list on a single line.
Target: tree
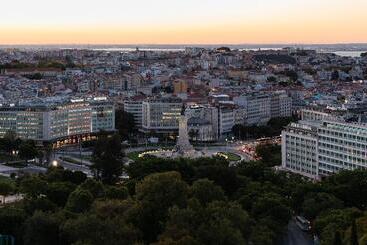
[(59, 192), (79, 201), (125, 123), (315, 203), (157, 193), (217, 223), (337, 238), (114, 192), (5, 190), (353, 235), (11, 221), (92, 229), (33, 186), (28, 150), (107, 155), (94, 187), (270, 154), (206, 191), (42, 229)]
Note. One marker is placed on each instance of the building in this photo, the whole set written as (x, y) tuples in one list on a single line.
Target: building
[(58, 121), (319, 148), (200, 130), (280, 105), (135, 107), (160, 115), (180, 87), (257, 106), (260, 107)]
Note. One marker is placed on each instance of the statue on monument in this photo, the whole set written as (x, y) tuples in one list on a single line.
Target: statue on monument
[(183, 145)]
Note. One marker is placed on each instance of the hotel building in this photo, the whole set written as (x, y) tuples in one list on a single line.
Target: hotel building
[(58, 122), (319, 148)]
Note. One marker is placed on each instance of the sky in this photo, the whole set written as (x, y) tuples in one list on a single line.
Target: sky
[(183, 21)]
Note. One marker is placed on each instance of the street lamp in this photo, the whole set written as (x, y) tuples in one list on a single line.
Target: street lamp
[(55, 163)]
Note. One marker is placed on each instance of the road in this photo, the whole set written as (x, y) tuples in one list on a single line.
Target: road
[(75, 167), (295, 236)]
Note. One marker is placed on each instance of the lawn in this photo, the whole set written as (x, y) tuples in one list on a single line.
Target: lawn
[(4, 179), (230, 156), (134, 155)]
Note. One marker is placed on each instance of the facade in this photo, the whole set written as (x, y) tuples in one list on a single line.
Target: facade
[(320, 148), (135, 107), (260, 107), (161, 115), (200, 130), (180, 87), (54, 122), (280, 105), (226, 119)]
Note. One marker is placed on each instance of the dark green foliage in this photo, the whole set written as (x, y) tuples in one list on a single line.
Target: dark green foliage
[(203, 201), (272, 129), (315, 203), (107, 155), (28, 150), (58, 192), (157, 193), (11, 221), (79, 201), (206, 191), (42, 229), (125, 124), (117, 192), (337, 238), (353, 235), (270, 154)]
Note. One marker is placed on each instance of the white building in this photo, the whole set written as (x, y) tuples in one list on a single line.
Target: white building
[(320, 148), (135, 107), (160, 115), (57, 121)]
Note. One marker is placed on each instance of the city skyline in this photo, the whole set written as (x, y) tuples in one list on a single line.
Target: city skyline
[(183, 22)]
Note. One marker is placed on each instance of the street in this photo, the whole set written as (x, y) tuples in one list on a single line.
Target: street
[(295, 236)]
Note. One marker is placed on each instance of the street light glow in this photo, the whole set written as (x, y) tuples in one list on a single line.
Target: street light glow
[(55, 163)]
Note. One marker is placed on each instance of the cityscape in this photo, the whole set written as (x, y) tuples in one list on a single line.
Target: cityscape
[(145, 135)]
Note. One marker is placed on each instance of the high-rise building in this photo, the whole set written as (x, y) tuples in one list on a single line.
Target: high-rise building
[(52, 122), (160, 115), (320, 148)]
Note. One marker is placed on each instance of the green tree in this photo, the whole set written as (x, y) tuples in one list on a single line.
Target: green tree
[(206, 191), (11, 221), (354, 235), (217, 223), (107, 159), (28, 150), (33, 186), (95, 187), (42, 229), (117, 192), (125, 123), (79, 201), (157, 193), (315, 203), (58, 192), (337, 238), (93, 230)]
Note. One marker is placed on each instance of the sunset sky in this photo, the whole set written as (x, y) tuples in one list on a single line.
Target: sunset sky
[(182, 21)]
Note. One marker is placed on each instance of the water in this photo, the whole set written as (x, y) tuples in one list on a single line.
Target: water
[(349, 53)]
